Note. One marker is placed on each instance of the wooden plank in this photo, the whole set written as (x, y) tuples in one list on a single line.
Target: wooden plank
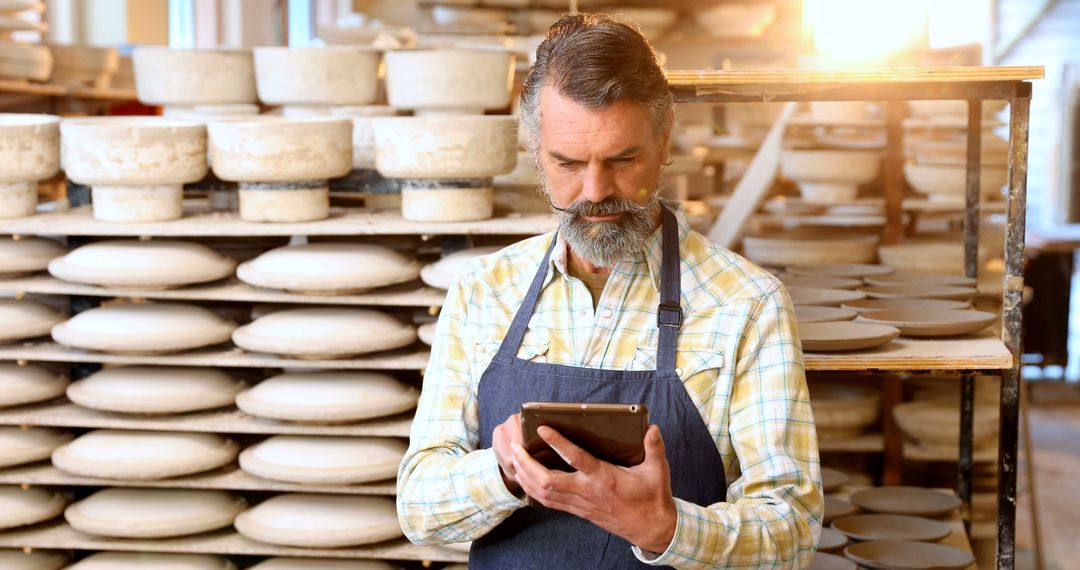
[(865, 443), (983, 351), (411, 358), (229, 478), (56, 90), (222, 542), (62, 413), (414, 294), (29, 88), (198, 222), (708, 78)]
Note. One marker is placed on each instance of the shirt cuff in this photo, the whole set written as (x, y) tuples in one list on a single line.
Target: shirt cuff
[(684, 548), (487, 487)]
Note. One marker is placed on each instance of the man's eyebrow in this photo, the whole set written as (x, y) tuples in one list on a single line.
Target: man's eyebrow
[(626, 152)]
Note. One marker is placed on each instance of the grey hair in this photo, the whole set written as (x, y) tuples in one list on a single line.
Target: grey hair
[(595, 60)]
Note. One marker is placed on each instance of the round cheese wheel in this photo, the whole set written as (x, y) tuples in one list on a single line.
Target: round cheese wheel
[(135, 263), (155, 390), (152, 561), (322, 564), (153, 513), (19, 446), (143, 455), (320, 521), (328, 397), (324, 332), (27, 255), (34, 560), (320, 460), (328, 268), (19, 507), (145, 328), (27, 384), (442, 273), (26, 319)]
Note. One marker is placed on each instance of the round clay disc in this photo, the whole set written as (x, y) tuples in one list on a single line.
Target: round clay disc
[(328, 397), (153, 513), (143, 455), (328, 268), (19, 507), (426, 332), (28, 384), (442, 273), (322, 564), (155, 390), (19, 446), (320, 460), (26, 319), (324, 332), (34, 560), (27, 255), (135, 263), (152, 561), (144, 328), (320, 521)]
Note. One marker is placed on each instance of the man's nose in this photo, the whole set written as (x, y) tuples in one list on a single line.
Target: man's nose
[(599, 184)]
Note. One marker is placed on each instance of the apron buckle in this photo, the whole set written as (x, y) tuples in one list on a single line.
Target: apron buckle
[(669, 315)]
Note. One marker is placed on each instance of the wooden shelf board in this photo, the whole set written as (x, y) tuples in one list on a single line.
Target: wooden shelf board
[(414, 294), (708, 78), (222, 542), (62, 413), (198, 222), (866, 443), (230, 478), (983, 351), (57, 90), (411, 358), (916, 452)]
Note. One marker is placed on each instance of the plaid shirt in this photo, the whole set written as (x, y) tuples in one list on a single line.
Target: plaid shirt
[(738, 356)]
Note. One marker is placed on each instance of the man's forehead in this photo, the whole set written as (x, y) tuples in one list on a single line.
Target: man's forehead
[(566, 124)]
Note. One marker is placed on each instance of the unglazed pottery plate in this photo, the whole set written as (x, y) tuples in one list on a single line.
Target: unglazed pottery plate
[(818, 314), (924, 323), (825, 561), (844, 335), (847, 270), (913, 278), (871, 305), (920, 292), (915, 501), (835, 508), (819, 281), (833, 479), (908, 555), (823, 297), (832, 540), (891, 527)]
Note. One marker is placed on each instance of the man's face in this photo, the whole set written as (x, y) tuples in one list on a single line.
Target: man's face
[(603, 165)]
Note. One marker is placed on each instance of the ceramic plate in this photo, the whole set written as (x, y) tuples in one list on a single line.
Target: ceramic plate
[(835, 508), (912, 278), (832, 540), (919, 292), (931, 323), (907, 554), (820, 281), (845, 335), (891, 527), (823, 297), (849, 270), (872, 305), (833, 479), (816, 314), (824, 561), (915, 501)]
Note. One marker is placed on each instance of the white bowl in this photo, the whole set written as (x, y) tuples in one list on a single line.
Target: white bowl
[(332, 75), (148, 390), (326, 521), (143, 455), (943, 182), (145, 328), (24, 319), (328, 397), (153, 513), (810, 247), (328, 268), (27, 255), (445, 147), (27, 384), (146, 264), (152, 560), (449, 80), (318, 333), (830, 176), (363, 140), (843, 409), (936, 423), (322, 460), (166, 76), (29, 152), (441, 274), (933, 258)]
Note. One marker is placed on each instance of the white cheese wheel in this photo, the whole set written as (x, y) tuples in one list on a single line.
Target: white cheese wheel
[(27, 255), (328, 268), (143, 455), (19, 507), (328, 397), (320, 521), (152, 561), (34, 560), (153, 513), (28, 384), (320, 460), (25, 319), (324, 332), (135, 263), (19, 446), (322, 564), (442, 273), (155, 390), (145, 328)]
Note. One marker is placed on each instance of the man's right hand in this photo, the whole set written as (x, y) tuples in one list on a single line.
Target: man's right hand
[(503, 438)]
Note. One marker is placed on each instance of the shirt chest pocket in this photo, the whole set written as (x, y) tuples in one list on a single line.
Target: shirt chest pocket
[(534, 348), (689, 360)]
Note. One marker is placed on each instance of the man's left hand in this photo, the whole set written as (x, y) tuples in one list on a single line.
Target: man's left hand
[(634, 503)]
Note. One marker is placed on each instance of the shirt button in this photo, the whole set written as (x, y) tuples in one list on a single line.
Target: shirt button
[(582, 313), (608, 313), (678, 372)]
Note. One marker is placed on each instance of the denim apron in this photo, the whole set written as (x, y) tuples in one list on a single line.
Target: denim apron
[(542, 538)]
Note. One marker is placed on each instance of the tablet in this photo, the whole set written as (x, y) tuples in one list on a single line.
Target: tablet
[(614, 433)]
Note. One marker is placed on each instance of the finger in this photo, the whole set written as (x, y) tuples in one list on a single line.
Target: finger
[(548, 491), (514, 429), (527, 467), (654, 443), (573, 455)]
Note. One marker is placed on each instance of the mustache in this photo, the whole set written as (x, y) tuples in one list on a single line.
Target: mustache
[(607, 207)]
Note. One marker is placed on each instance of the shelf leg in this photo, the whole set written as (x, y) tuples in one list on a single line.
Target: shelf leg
[(964, 467), (974, 170), (894, 172), (892, 392)]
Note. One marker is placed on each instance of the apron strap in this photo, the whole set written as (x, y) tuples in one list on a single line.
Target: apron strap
[(669, 313), (514, 336)]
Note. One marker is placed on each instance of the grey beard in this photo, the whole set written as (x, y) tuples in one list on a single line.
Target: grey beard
[(604, 244)]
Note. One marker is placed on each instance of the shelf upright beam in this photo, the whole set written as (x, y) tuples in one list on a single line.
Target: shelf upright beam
[(1020, 105), (894, 174)]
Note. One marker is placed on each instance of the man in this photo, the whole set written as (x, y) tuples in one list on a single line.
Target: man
[(622, 304)]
